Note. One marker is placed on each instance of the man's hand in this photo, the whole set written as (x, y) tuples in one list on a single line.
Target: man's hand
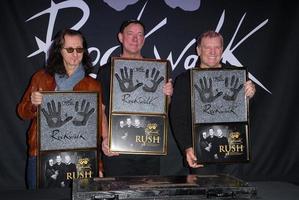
[(36, 97), (168, 88), (249, 89), (105, 148), (191, 158)]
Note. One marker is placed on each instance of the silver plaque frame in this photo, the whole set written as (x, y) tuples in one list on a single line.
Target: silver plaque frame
[(137, 85), (218, 95), (68, 120)]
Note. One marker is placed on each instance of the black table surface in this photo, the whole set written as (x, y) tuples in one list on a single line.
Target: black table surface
[(265, 190)]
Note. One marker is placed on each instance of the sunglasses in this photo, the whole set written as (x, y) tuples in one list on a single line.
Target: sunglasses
[(71, 49)]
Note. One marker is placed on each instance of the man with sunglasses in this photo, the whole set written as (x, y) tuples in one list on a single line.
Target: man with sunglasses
[(67, 69), (131, 37)]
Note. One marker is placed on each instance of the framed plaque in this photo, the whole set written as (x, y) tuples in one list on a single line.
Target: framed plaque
[(57, 169), (68, 138), (218, 95), (68, 120), (225, 143), (138, 108), (138, 134), (220, 115), (137, 85)]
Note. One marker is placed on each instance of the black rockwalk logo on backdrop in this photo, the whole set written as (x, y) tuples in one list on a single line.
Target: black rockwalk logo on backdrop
[(187, 6)]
